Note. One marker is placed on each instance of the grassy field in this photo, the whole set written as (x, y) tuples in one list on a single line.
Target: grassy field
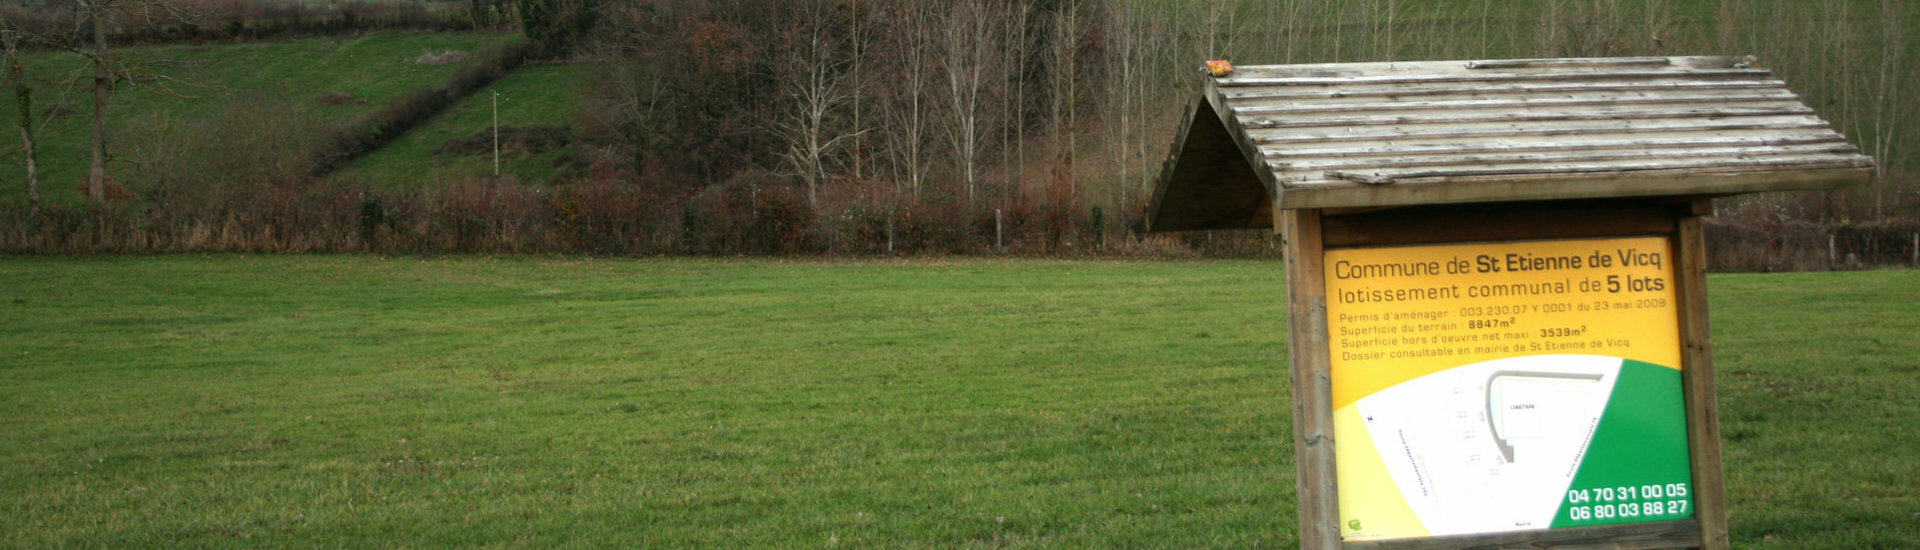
[(528, 402), (372, 70)]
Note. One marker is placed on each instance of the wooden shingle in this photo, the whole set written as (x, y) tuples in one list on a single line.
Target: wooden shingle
[(1368, 135)]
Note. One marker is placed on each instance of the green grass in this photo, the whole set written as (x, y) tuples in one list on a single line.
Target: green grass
[(361, 401), (376, 68), (1818, 374), (547, 95)]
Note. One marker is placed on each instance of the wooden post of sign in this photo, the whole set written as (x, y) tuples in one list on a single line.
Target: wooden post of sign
[(1318, 502), (1696, 378)]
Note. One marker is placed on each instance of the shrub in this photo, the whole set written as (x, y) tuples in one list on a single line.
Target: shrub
[(752, 213)]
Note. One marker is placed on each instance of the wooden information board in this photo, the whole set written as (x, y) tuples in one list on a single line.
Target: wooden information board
[(1504, 383), (1497, 387), (1496, 298)]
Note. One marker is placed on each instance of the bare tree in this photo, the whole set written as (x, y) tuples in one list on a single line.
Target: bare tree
[(966, 48), (95, 12), (1067, 32), (1384, 31), (1657, 27), (1840, 45), (1888, 101), (11, 42), (1124, 86), (1013, 119), (911, 41), (858, 39), (816, 85), (1219, 27), (109, 68)]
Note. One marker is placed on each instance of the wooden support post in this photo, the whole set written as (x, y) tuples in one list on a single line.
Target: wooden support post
[(496, 133), (1318, 503), (1703, 416), (998, 242)]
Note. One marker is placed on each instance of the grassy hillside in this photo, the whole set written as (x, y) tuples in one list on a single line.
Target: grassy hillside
[(355, 401), (361, 73), (533, 96)]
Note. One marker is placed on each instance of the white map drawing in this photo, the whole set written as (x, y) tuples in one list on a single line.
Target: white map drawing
[(1491, 446)]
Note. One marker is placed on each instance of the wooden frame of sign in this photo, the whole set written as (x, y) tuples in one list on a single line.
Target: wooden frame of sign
[(1309, 233)]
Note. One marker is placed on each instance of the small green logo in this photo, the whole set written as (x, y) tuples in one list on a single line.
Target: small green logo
[(1353, 524)]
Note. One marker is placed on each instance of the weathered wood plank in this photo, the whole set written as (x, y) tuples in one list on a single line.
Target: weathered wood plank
[(1699, 74), (1589, 186), (1380, 177), (1696, 374), (1569, 62), (1563, 157), (1557, 116), (1774, 96), (1705, 124), (1369, 179), (1360, 180), (1499, 89), (1665, 534), (1620, 127), (1542, 146), (1676, 63), (1311, 368)]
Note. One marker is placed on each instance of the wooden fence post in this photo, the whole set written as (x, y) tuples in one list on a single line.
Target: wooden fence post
[(998, 243)]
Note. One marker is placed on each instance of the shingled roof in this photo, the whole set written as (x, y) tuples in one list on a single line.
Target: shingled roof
[(1361, 135)]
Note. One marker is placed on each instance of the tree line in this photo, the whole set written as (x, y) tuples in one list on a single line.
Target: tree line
[(1004, 104), (863, 126)]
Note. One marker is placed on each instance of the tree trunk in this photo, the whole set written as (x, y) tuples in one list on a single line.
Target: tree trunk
[(26, 142), (859, 44), (102, 87), (967, 36), (1072, 72), (23, 97)]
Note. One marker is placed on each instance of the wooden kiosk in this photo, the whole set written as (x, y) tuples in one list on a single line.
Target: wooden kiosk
[(1496, 282)]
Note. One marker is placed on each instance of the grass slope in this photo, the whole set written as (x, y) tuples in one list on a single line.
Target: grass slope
[(546, 95), (375, 68), (351, 401)]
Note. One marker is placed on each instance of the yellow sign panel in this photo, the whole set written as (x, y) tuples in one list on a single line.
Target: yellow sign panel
[(1495, 387)]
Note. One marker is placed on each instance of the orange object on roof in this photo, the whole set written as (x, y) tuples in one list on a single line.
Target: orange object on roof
[(1219, 68)]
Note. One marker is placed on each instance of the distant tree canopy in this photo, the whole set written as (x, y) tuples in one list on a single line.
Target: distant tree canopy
[(788, 126), (994, 102), (557, 24)]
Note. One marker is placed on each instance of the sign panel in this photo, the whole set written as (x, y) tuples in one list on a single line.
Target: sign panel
[(1496, 387)]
